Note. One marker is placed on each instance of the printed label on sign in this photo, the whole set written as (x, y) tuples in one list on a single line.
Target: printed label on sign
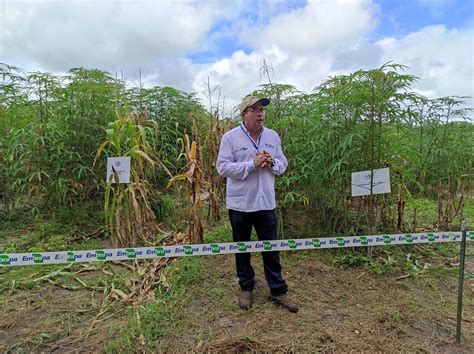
[(408, 238), (431, 237), (292, 244), (471, 235), (267, 245), (340, 241), (316, 242), (188, 249), (160, 252), (121, 167)]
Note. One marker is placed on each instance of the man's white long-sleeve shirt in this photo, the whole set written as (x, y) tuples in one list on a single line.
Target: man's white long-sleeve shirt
[(249, 188)]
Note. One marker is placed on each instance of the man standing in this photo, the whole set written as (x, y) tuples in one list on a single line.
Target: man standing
[(250, 156)]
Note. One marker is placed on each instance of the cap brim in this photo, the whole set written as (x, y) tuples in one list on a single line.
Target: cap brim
[(265, 101)]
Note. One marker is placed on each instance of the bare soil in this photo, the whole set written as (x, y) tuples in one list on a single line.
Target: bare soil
[(53, 319), (341, 310)]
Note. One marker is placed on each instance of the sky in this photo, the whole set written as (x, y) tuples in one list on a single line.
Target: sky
[(184, 44)]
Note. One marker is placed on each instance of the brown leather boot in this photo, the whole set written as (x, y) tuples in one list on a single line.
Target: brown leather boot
[(285, 301), (245, 299)]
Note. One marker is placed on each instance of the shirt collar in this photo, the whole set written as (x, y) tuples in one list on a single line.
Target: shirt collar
[(248, 133)]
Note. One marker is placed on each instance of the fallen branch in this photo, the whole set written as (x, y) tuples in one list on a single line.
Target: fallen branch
[(80, 236)]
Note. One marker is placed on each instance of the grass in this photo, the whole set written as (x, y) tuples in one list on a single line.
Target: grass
[(156, 320), (155, 323), (20, 233), (397, 260), (427, 214), (407, 259), (220, 233)]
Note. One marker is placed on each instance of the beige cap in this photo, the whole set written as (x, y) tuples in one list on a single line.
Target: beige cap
[(251, 100)]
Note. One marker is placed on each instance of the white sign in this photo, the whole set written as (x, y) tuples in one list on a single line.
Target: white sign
[(361, 182), (121, 166)]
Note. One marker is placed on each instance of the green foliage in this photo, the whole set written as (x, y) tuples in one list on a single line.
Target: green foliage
[(404, 260), (127, 206), (51, 128), (365, 120), (53, 125), (222, 233), (173, 111), (379, 266), (47, 156), (352, 259)]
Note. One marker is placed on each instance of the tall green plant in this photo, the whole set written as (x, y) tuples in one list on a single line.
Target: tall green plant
[(129, 217)]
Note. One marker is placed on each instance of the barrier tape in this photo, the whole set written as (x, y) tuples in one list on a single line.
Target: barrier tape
[(120, 254)]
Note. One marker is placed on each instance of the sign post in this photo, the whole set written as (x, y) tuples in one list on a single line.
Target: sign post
[(462, 257)]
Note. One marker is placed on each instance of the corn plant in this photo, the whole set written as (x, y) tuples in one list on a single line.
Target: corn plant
[(194, 186), (215, 131), (171, 109), (129, 217)]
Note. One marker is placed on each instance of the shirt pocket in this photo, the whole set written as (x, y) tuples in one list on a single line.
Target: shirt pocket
[(237, 189)]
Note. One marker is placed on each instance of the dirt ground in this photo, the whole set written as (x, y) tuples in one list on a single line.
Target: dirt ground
[(341, 309)]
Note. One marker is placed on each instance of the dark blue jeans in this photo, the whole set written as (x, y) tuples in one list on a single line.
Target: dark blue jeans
[(265, 224)]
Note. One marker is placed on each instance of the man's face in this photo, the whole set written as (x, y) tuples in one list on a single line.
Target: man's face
[(254, 117)]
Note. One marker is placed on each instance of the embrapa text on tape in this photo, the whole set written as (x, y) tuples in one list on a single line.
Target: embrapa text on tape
[(120, 254)]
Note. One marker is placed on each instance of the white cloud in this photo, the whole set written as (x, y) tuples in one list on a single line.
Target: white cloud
[(239, 74), (300, 44), (175, 72), (109, 35), (319, 25), (304, 45), (441, 58)]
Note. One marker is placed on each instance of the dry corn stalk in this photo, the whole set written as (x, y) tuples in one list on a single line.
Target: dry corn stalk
[(153, 276), (194, 183), (215, 132)]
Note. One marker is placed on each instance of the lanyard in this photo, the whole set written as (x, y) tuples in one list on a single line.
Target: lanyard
[(248, 135)]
